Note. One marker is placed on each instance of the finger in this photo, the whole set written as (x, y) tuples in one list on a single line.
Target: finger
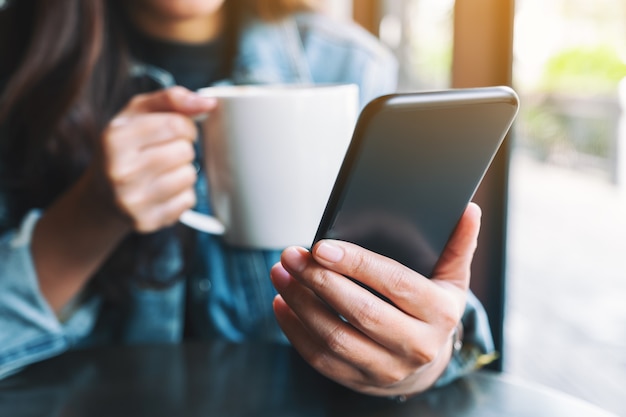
[(311, 348), (165, 214), (391, 381), (157, 160), (337, 338), (139, 169), (174, 99), (313, 351), (172, 183), (147, 130), (409, 291), (378, 319), (454, 264), (144, 198)]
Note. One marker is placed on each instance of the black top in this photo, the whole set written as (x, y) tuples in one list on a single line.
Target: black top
[(193, 66)]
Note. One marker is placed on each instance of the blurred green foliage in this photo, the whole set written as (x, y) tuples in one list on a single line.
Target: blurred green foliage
[(584, 69)]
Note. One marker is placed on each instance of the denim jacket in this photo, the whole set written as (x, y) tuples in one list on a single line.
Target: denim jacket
[(228, 294)]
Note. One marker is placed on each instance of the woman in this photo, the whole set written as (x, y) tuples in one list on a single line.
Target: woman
[(99, 161)]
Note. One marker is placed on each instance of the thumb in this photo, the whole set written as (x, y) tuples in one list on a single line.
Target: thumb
[(455, 262), (175, 99)]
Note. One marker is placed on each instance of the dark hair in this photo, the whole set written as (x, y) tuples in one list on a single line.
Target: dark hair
[(67, 80), (72, 53)]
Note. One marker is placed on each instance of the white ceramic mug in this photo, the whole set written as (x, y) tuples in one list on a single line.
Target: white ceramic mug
[(272, 154)]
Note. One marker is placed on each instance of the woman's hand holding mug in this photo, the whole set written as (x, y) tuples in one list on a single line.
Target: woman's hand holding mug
[(147, 157)]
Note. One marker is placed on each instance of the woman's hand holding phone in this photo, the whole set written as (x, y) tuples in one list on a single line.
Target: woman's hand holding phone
[(356, 338)]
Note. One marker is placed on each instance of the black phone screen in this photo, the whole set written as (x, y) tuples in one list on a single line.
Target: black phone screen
[(414, 163)]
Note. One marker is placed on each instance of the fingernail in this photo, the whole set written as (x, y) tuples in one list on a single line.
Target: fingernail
[(196, 100), (329, 251), (280, 277), (293, 259)]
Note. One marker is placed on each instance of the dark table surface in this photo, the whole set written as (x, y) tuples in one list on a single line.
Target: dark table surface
[(220, 379)]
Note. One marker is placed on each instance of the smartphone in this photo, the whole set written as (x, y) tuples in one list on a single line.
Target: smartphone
[(414, 163)]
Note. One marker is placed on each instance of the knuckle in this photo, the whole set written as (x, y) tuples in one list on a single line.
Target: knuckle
[(189, 153), (189, 175), (335, 340), (448, 318), (116, 171), (170, 212), (135, 101), (319, 359), (175, 92), (399, 285), (422, 352), (367, 313), (177, 124), (117, 174), (391, 376), (429, 354), (189, 199), (360, 264), (324, 281), (444, 312), (174, 96), (112, 141), (127, 207), (144, 227), (178, 154), (147, 223)]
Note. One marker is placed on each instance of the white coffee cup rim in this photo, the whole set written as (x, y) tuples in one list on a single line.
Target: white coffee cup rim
[(255, 90)]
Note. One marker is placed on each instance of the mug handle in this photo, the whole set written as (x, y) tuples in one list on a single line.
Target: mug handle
[(202, 222), (199, 221)]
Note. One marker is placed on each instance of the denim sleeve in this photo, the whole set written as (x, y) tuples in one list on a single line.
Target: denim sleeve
[(29, 329), (477, 349), (379, 75)]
